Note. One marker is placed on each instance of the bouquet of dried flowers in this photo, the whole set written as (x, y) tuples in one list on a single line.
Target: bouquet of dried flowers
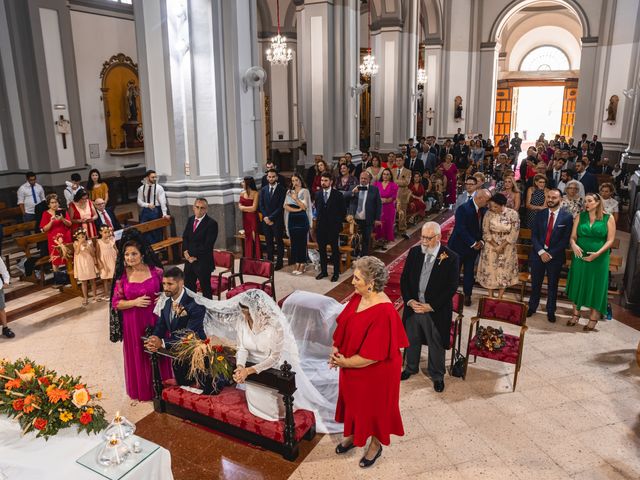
[(489, 338)]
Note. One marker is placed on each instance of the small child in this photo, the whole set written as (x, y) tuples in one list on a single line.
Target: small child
[(107, 254), (84, 264), (6, 278)]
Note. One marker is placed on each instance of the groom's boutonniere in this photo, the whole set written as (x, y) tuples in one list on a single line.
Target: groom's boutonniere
[(179, 310), (441, 257)]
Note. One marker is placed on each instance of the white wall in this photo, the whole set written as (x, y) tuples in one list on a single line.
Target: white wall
[(96, 38), (458, 72)]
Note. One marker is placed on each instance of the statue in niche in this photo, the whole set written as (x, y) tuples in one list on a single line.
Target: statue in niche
[(457, 112), (612, 110), (132, 101)]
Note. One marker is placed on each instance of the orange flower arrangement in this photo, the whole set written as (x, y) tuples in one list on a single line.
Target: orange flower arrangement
[(11, 384), (30, 403), (57, 394)]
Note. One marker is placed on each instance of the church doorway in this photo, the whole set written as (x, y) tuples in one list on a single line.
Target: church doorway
[(538, 110)]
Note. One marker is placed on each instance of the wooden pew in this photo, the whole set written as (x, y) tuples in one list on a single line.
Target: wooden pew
[(9, 230), (168, 242), (27, 243), (9, 216)]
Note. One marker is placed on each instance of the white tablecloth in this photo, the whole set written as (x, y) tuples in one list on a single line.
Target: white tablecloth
[(30, 458)]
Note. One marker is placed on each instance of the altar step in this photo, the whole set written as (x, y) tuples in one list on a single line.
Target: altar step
[(26, 298)]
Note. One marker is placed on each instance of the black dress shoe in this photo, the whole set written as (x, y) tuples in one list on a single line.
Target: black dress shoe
[(335, 277), (438, 386), (340, 449), (467, 301), (7, 332), (364, 463), (322, 275), (406, 374), (530, 312), (552, 318)]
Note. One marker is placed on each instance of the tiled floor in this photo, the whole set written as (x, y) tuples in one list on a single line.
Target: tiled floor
[(573, 415)]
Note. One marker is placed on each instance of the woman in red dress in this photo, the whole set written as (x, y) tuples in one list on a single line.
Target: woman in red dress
[(416, 208), (249, 207), (55, 222), (83, 214), (366, 348)]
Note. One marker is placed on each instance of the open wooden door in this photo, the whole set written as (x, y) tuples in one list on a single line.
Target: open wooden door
[(502, 124), (568, 111)]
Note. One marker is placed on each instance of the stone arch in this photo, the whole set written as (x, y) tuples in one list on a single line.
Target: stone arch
[(517, 5), (431, 21), (264, 17)]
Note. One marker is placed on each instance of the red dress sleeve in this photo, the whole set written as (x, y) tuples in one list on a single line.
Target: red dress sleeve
[(385, 336), (342, 321), (46, 218)]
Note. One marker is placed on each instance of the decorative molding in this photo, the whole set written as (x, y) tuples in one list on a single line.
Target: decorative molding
[(118, 59), (593, 40), (488, 45)]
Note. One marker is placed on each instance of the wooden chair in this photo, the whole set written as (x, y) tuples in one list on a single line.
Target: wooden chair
[(255, 268), (456, 327), (504, 311)]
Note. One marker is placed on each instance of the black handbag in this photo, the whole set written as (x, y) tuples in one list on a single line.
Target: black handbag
[(115, 325), (457, 369)]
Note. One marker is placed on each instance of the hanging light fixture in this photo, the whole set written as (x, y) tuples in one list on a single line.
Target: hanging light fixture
[(369, 67), (279, 54), (422, 77)]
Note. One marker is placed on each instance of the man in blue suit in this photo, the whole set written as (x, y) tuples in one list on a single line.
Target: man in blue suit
[(366, 208), (466, 238), (588, 180), (550, 238)]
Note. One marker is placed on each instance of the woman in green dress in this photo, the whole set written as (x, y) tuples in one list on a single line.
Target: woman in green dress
[(588, 280)]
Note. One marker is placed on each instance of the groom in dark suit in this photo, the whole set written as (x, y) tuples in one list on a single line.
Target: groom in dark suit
[(330, 209), (550, 238), (198, 239), (428, 282), (466, 238)]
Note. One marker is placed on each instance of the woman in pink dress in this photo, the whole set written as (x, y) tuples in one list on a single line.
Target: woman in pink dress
[(248, 205), (388, 195), (138, 280), (83, 214), (451, 172)]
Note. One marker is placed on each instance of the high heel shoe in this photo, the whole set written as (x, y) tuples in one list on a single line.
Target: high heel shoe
[(572, 322), (365, 463), (588, 328), (340, 449)]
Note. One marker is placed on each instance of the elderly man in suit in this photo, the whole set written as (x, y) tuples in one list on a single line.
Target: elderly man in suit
[(550, 238), (331, 210), (366, 208), (105, 215), (198, 239), (271, 201), (402, 178), (428, 282), (414, 163), (466, 238)]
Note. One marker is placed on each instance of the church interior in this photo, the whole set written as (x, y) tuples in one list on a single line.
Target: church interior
[(208, 96)]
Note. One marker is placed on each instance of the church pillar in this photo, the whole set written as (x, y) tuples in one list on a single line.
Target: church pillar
[(327, 71), (205, 123), (486, 99), (587, 85), (431, 99), (631, 155)]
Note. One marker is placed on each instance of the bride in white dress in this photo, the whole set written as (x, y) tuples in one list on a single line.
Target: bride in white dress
[(263, 336)]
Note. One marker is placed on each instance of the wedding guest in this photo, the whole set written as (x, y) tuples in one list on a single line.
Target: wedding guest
[(609, 204), (345, 182), (402, 178), (498, 264), (470, 185), (310, 174), (30, 194), (375, 170), (83, 214), (450, 171), (477, 155), (152, 201), (72, 187), (550, 235), (105, 216), (84, 264), (588, 180), (248, 205), (198, 239), (56, 223), (137, 282), (588, 282), (428, 281), (388, 195), (554, 175), (96, 187), (106, 256), (268, 166), (510, 191), (417, 208), (366, 208), (5, 279), (436, 188), (270, 203), (297, 219), (516, 144), (461, 153), (447, 149), (413, 163), (331, 210), (535, 198), (573, 201), (503, 145), (466, 238), (565, 177), (366, 348), (595, 149), (321, 166)]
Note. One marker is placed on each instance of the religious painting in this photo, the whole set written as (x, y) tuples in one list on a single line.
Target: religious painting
[(122, 109), (612, 109)]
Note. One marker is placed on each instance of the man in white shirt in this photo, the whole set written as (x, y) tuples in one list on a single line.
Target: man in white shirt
[(153, 203), (30, 194), (72, 188)]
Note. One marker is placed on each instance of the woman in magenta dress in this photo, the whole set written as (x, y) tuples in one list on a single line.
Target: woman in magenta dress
[(388, 195), (138, 281), (249, 207), (366, 348), (451, 172), (55, 222)]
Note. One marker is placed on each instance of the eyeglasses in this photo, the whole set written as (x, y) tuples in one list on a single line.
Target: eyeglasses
[(428, 239)]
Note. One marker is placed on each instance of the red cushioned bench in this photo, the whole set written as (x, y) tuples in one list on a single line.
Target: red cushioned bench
[(228, 412)]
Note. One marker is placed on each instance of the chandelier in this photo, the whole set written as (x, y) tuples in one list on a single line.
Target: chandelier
[(369, 67), (422, 76), (279, 54)]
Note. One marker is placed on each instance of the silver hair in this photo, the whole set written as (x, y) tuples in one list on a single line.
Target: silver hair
[(373, 270), (434, 226)]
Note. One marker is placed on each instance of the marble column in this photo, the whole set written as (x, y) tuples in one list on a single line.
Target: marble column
[(486, 99), (206, 124), (587, 93), (327, 71), (631, 155)]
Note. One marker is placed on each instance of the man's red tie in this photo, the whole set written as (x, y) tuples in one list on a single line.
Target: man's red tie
[(549, 230), (195, 224)]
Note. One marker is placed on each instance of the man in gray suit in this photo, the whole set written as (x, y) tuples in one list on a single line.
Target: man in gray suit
[(366, 208), (470, 185)]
